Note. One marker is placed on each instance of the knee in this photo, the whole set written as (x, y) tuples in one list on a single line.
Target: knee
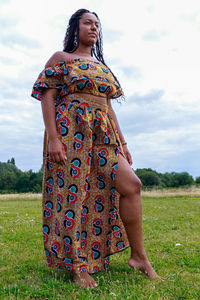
[(136, 185), (133, 187)]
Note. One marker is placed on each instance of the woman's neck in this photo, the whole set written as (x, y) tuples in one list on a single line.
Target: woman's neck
[(83, 52)]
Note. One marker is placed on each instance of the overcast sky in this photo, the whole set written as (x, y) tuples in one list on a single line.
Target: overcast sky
[(153, 48)]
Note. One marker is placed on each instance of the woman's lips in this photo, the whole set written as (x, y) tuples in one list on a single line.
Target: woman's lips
[(93, 35)]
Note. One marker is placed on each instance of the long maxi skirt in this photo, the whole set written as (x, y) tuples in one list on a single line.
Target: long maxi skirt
[(81, 222)]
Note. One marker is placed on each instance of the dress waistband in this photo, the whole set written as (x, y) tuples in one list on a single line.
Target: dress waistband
[(81, 98)]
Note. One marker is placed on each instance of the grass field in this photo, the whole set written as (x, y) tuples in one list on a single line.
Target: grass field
[(171, 231)]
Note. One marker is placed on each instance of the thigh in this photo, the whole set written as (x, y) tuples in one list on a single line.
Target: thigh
[(126, 180)]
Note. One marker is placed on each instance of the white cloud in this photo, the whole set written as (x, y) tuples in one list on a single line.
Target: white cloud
[(152, 48)]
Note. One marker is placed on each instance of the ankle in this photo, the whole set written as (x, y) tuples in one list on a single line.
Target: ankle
[(139, 256), (80, 274)]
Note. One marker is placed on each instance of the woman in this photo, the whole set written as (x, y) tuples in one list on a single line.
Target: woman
[(91, 196)]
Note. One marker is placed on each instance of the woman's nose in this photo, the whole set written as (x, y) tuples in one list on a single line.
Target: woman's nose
[(94, 27)]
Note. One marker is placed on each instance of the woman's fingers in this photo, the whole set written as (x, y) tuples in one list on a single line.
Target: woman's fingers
[(64, 155), (129, 158), (127, 154), (59, 157), (57, 152), (63, 159)]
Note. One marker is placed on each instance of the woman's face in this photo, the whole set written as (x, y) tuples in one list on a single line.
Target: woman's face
[(88, 29)]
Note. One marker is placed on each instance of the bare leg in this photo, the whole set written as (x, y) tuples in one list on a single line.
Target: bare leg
[(128, 185)]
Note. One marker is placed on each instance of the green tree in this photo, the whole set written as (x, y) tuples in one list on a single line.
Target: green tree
[(14, 180), (197, 180), (8, 177), (8, 181), (184, 179), (11, 161), (36, 182), (148, 177), (23, 183), (174, 179), (168, 180)]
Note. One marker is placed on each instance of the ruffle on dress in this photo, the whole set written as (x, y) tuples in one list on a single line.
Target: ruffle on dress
[(77, 76)]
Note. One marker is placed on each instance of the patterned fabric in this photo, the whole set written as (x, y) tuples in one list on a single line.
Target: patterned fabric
[(77, 76), (81, 222)]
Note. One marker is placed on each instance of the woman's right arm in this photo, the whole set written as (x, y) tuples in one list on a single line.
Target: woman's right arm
[(55, 147)]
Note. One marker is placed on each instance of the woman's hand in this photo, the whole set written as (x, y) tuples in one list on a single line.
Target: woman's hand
[(127, 154), (57, 151)]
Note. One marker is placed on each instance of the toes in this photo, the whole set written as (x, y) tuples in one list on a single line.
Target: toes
[(147, 269), (86, 282), (88, 285), (93, 284), (161, 278), (158, 277)]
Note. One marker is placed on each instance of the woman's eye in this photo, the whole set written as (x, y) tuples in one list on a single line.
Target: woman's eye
[(88, 23)]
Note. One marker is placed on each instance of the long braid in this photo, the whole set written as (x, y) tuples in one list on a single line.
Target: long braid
[(97, 48)]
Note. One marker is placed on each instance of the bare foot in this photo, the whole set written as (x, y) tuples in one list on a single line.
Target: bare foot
[(83, 279), (145, 267)]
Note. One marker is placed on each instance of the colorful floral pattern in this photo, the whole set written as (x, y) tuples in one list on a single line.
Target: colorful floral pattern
[(77, 76), (81, 222)]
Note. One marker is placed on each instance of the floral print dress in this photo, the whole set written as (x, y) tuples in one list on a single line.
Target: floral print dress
[(81, 222)]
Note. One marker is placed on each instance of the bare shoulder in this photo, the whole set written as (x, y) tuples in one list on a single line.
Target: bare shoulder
[(57, 57)]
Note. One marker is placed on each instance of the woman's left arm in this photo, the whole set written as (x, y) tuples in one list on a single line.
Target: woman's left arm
[(114, 117)]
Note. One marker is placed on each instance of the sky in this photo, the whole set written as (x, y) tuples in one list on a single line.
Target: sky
[(152, 46)]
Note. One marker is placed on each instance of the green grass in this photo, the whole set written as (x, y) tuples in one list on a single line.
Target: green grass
[(167, 221)]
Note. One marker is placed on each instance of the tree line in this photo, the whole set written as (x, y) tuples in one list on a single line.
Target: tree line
[(151, 178), (13, 180)]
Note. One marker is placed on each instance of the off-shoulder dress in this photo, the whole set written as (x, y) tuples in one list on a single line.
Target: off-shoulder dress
[(81, 222)]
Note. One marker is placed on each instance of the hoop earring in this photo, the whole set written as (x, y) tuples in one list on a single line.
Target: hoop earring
[(75, 41)]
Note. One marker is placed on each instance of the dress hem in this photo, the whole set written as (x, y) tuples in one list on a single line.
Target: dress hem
[(103, 269)]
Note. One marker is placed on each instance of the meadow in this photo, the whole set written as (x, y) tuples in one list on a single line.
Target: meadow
[(171, 236)]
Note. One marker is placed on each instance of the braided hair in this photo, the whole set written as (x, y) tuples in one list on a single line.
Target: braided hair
[(96, 49)]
